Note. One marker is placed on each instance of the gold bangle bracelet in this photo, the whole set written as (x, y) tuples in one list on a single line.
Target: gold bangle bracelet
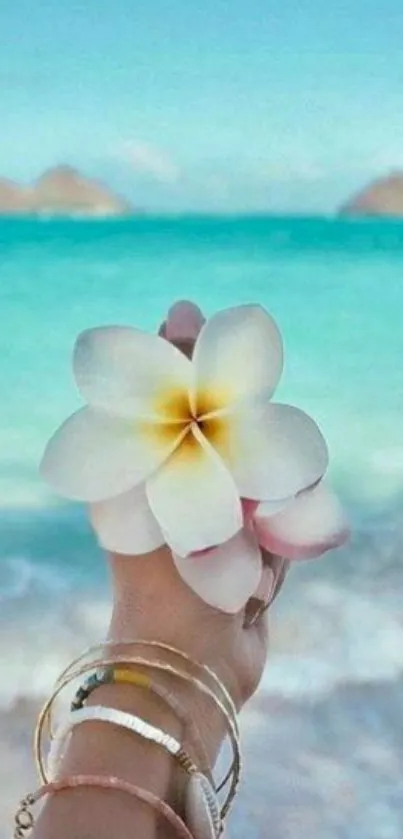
[(166, 648), (161, 645), (159, 666), (235, 769), (126, 676)]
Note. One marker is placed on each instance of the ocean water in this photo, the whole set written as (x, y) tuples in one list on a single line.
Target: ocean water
[(335, 672)]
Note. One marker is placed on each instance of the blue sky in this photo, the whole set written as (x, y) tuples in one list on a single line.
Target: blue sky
[(205, 104)]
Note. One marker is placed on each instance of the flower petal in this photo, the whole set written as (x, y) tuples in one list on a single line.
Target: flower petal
[(227, 576), (238, 355), (273, 451), (94, 456), (311, 524), (130, 373), (125, 524), (194, 498)]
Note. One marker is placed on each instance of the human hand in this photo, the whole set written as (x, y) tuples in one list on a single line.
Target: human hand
[(151, 601)]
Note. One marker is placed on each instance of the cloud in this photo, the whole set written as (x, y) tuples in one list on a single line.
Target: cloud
[(146, 159)]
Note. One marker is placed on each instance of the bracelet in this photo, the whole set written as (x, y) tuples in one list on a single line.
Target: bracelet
[(205, 670), (234, 772), (124, 720), (235, 769), (24, 819), (127, 642), (124, 676), (45, 714), (201, 802)]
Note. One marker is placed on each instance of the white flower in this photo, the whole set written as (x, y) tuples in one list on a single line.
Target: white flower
[(170, 446), (305, 527)]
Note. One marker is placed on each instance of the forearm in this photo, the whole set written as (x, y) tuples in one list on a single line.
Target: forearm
[(102, 749)]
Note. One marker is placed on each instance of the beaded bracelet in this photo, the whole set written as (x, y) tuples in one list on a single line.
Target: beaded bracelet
[(131, 722), (234, 772), (44, 716), (24, 819), (201, 804), (160, 645), (204, 669), (124, 676)]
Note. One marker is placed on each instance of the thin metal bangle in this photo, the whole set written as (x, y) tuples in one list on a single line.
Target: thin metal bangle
[(235, 770), (124, 676), (231, 723), (24, 819), (161, 645), (131, 722), (143, 642)]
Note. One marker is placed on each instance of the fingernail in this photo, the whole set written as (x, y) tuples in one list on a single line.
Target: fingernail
[(253, 610), (257, 604), (267, 584)]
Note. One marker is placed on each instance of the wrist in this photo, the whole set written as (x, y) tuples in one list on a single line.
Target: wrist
[(179, 699), (150, 605)]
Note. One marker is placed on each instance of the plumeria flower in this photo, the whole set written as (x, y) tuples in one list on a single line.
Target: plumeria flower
[(304, 527), (168, 445), (226, 576)]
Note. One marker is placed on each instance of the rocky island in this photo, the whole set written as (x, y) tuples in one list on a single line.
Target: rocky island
[(383, 197), (62, 191)]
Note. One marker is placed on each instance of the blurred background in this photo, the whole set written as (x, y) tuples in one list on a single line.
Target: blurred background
[(225, 153)]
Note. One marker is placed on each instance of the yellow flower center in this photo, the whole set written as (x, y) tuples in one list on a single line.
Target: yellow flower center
[(174, 409)]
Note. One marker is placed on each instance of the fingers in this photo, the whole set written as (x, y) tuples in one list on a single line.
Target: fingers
[(184, 321), (182, 325), (281, 577), (274, 573)]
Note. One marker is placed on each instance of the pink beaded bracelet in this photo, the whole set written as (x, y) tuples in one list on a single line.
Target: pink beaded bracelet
[(24, 819)]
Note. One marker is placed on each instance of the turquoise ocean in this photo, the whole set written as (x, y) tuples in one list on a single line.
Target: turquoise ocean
[(324, 738)]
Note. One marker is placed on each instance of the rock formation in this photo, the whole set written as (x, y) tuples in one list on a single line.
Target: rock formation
[(383, 197), (13, 198), (61, 191)]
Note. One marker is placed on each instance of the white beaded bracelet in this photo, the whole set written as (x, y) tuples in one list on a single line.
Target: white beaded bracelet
[(137, 725), (202, 808)]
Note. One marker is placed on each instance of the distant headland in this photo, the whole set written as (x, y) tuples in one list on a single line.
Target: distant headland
[(62, 191), (383, 197)]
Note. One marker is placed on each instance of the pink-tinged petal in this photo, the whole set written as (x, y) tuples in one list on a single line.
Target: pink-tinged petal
[(238, 356), (94, 456), (273, 451), (125, 524), (194, 498), (249, 508), (227, 576), (308, 526), (184, 321), (129, 373)]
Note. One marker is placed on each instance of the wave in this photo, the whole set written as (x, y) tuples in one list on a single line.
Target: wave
[(338, 620)]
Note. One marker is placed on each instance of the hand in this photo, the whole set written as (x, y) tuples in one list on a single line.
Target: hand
[(151, 600)]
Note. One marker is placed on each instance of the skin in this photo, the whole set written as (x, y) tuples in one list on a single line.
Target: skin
[(151, 601)]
